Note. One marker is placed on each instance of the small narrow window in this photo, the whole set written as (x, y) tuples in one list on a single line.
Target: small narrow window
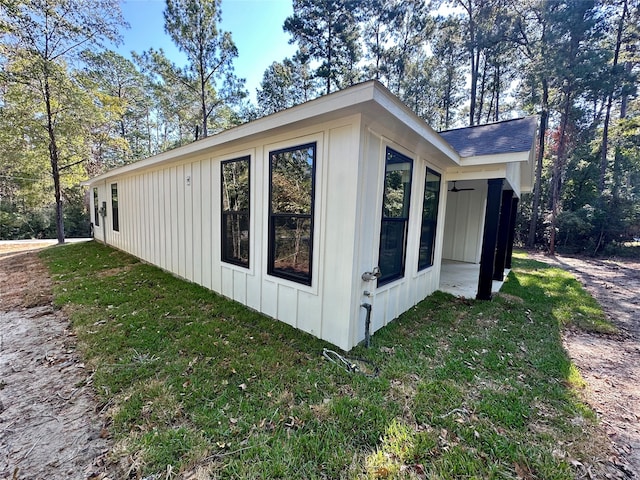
[(96, 211), (429, 219), (291, 199), (114, 207), (235, 211), (395, 216)]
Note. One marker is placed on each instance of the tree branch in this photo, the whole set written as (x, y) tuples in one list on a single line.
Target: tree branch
[(64, 167)]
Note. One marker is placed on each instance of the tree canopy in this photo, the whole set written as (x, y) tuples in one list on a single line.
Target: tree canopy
[(71, 107)]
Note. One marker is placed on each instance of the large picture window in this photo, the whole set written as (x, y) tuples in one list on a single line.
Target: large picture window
[(235, 211), (96, 211), (429, 219), (291, 198), (114, 207), (395, 216)]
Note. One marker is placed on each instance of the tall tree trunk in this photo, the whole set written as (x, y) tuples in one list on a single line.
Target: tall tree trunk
[(480, 103), (149, 135), (203, 105), (607, 118), (475, 60), (496, 83), (447, 102), (558, 166), (474, 53), (544, 116), (378, 47), (329, 59), (618, 153), (54, 159)]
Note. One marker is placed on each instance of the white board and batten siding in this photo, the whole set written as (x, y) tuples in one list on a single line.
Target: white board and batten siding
[(170, 211), (464, 224), (170, 216), (396, 297)]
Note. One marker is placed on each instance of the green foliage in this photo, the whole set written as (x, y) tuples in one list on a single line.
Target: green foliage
[(574, 62), (122, 119), (174, 109), (27, 188), (465, 388), (575, 229), (193, 27), (327, 32), (18, 221), (551, 57), (42, 37), (286, 84)]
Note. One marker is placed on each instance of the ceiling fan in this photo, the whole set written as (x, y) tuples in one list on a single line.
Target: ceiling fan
[(456, 189)]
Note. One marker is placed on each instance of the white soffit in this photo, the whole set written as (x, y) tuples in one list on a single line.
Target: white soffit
[(496, 158)]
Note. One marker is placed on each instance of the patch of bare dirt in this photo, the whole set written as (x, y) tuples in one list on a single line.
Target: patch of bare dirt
[(49, 427), (610, 364)]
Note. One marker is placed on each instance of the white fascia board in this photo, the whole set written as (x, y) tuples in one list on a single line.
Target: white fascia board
[(387, 100), (496, 158), (490, 171), (527, 172), (338, 104), (321, 106), (485, 172)]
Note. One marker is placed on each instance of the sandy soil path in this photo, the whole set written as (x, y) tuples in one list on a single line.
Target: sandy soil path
[(610, 364), (49, 427)]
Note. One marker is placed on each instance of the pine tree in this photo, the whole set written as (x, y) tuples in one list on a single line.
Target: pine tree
[(39, 36), (193, 26), (327, 31)]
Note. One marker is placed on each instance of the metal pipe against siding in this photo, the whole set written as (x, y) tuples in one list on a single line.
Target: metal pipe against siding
[(367, 324)]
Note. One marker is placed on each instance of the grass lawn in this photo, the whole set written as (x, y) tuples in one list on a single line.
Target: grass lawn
[(195, 384)]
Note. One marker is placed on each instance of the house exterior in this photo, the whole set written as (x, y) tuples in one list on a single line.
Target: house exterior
[(310, 213)]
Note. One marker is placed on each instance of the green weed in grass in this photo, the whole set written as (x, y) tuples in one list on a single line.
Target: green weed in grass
[(195, 382)]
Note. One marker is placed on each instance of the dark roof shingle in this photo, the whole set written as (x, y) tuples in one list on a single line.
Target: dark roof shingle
[(509, 136)]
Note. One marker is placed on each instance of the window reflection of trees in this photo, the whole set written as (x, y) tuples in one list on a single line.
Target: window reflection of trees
[(115, 217), (235, 211), (291, 202), (395, 216), (96, 211), (429, 219)]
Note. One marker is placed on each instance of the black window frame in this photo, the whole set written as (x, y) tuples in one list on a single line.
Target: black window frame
[(274, 217), (429, 221), (96, 207), (115, 218), (399, 223), (225, 215)]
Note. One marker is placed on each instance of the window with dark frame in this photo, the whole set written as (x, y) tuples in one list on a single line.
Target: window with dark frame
[(114, 207), (96, 210), (395, 216), (429, 219), (235, 211), (291, 204)]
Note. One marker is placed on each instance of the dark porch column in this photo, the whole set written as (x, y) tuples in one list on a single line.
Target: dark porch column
[(503, 235), (512, 231), (489, 238)]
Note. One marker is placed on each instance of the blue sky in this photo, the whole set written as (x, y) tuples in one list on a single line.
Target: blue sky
[(255, 25)]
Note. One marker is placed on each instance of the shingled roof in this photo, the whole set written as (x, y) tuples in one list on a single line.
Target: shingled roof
[(509, 136)]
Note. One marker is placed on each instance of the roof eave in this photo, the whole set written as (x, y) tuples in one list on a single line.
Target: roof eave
[(418, 126), (339, 104), (496, 158)]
